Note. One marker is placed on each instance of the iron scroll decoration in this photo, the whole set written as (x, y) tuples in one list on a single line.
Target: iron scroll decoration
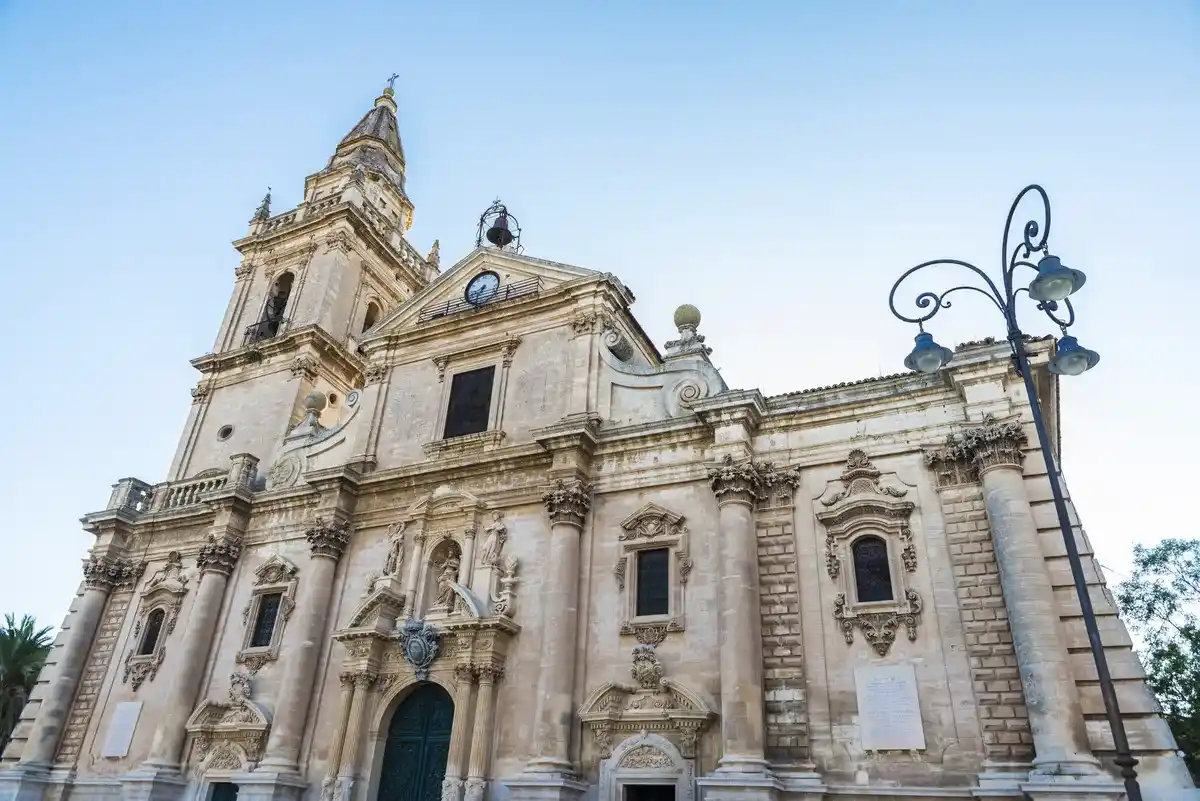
[(1034, 241)]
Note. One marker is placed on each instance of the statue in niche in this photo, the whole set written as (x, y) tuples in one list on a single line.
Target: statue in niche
[(395, 557), (447, 575), (493, 544)]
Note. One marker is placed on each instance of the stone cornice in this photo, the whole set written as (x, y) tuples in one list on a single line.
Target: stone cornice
[(746, 406), (350, 366)]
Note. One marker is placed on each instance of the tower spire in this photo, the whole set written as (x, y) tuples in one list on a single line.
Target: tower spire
[(378, 127)]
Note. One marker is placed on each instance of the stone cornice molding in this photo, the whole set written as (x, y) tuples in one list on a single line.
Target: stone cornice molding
[(736, 406), (218, 555), (568, 502), (107, 573), (328, 538), (317, 340)]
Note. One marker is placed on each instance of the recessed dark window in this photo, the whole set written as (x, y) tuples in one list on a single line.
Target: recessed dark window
[(470, 402), (653, 582), (224, 433), (872, 573), (264, 621), (154, 624)]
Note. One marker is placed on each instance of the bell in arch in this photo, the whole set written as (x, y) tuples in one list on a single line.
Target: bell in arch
[(499, 234)]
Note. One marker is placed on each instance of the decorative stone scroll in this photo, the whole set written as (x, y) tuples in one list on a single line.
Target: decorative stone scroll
[(229, 736), (163, 592), (879, 628), (967, 453), (568, 502)]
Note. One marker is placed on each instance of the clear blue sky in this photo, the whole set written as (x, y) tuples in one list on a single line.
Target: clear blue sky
[(777, 164)]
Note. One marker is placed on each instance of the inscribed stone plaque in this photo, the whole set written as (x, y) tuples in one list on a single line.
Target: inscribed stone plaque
[(120, 729), (889, 714)]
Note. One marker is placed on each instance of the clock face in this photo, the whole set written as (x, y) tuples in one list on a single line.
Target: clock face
[(482, 288)]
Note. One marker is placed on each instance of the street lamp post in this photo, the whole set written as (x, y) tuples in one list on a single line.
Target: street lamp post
[(1050, 289)]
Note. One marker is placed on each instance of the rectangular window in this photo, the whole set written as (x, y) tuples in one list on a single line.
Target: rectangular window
[(653, 582), (470, 402), (264, 621)]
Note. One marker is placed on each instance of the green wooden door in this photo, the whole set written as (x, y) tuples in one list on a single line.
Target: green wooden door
[(224, 791), (418, 741)]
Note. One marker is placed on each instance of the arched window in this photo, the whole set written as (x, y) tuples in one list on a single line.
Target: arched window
[(272, 317), (371, 317), (154, 624), (872, 572)]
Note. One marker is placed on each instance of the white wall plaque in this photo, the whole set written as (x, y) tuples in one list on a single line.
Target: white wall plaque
[(889, 714), (120, 729)]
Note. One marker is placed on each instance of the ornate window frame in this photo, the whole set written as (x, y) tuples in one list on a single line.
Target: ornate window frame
[(865, 507), (649, 528), (164, 590), (495, 354), (276, 575)]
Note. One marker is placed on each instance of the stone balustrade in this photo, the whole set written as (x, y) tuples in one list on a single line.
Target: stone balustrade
[(135, 496)]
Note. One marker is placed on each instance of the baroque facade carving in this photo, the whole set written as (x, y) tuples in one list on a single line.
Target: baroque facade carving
[(218, 555), (964, 454), (652, 528), (328, 538), (158, 612), (231, 735), (108, 573), (568, 502), (277, 575), (879, 628)]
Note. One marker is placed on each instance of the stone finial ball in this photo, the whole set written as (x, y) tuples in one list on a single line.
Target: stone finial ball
[(314, 402), (687, 314)]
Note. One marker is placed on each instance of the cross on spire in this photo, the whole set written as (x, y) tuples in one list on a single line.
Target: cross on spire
[(392, 81)]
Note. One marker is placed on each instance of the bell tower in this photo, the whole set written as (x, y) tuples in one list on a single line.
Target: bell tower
[(311, 280)]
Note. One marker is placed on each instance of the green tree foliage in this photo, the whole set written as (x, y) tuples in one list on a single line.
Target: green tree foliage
[(23, 649), (1161, 601)]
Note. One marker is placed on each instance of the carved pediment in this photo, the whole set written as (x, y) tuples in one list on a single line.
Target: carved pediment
[(230, 735), (669, 709), (379, 601), (651, 521), (276, 569)]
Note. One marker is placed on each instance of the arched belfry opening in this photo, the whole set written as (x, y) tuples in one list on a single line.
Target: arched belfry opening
[(273, 310), (417, 746), (371, 317)]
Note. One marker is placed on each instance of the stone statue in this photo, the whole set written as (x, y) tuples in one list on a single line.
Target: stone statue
[(395, 557), (446, 576), (493, 544)]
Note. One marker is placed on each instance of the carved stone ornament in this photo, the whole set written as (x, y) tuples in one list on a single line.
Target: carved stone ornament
[(864, 506), (966, 454), (504, 603), (163, 592), (107, 573), (305, 367), (229, 736), (420, 643), (650, 528), (276, 575), (649, 757), (376, 371), (200, 392), (617, 343), (568, 502), (495, 535), (664, 707), (395, 557), (645, 757), (879, 628), (328, 538), (749, 482), (218, 555)]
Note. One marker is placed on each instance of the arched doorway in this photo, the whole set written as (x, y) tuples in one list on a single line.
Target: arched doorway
[(418, 742)]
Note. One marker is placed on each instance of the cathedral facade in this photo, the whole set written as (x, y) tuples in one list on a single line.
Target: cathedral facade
[(468, 534)]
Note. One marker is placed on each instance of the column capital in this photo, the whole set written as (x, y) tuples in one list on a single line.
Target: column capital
[(734, 482), (568, 502), (328, 538), (489, 674), (464, 672), (364, 679), (973, 451), (107, 573), (218, 555)]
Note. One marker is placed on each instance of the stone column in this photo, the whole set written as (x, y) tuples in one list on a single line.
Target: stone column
[(215, 562), (743, 729), (567, 504), (337, 745), (452, 787), (327, 541), (481, 737), (414, 573), (1051, 696), (466, 568), (348, 763), (100, 575)]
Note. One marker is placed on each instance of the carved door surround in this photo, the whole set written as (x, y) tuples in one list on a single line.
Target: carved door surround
[(163, 591), (647, 758), (229, 737), (653, 527), (866, 507), (464, 652)]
